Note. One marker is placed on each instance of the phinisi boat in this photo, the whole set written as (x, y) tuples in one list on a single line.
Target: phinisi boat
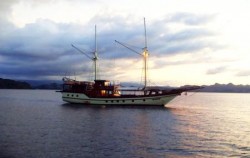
[(105, 92)]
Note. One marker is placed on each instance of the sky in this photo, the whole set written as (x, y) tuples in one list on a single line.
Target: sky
[(191, 42)]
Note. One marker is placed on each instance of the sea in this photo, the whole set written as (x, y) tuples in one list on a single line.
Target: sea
[(38, 124)]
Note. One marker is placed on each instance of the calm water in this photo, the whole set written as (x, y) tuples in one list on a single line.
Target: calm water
[(36, 123)]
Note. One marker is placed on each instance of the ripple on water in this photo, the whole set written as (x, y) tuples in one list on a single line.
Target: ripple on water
[(201, 125)]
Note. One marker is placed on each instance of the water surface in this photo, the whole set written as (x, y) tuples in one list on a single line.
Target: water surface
[(37, 123)]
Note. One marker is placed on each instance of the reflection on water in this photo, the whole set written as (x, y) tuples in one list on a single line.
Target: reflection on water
[(217, 124), (37, 123)]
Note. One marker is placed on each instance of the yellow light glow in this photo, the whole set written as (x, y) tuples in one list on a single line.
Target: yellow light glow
[(145, 54)]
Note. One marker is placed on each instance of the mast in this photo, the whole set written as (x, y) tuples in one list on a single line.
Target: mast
[(145, 33), (95, 55), (94, 58), (145, 55)]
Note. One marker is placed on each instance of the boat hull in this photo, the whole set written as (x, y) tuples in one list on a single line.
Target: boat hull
[(80, 98)]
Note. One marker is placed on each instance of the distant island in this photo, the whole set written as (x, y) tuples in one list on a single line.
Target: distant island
[(56, 85), (52, 85), (12, 84), (226, 88)]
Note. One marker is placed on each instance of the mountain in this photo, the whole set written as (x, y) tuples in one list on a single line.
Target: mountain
[(226, 88), (35, 83), (30, 84), (12, 84), (45, 84), (54, 84)]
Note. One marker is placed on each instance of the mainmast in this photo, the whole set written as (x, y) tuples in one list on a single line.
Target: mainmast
[(145, 56), (144, 53)]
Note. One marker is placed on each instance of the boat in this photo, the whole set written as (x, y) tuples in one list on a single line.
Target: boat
[(105, 92)]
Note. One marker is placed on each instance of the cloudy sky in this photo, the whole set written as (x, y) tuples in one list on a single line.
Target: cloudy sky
[(190, 41)]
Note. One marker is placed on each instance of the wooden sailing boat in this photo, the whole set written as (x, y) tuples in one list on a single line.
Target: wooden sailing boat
[(104, 92)]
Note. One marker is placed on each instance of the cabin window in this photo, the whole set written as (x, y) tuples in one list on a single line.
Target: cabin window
[(133, 100), (103, 92), (106, 101), (144, 100), (77, 95), (106, 83), (72, 95), (123, 101), (117, 101)]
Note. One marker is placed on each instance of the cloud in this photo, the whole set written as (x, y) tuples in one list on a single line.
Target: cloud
[(186, 38), (243, 73), (5, 7), (43, 48), (216, 70), (190, 18), (5, 12), (161, 39), (40, 49)]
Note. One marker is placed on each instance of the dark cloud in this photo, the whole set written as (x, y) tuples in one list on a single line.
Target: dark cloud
[(43, 48), (161, 39), (45, 69)]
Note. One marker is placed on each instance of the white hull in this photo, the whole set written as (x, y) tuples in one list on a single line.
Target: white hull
[(143, 100)]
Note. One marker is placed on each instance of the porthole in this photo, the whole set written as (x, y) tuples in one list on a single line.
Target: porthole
[(133, 101), (72, 95), (117, 101), (123, 101), (144, 100), (67, 94)]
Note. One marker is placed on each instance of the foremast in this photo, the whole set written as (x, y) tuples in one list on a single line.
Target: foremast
[(94, 58), (95, 55)]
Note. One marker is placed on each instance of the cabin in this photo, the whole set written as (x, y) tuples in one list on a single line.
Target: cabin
[(77, 86), (98, 88), (104, 88)]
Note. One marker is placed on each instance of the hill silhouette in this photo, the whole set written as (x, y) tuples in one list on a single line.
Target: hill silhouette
[(12, 84), (220, 88), (226, 88)]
